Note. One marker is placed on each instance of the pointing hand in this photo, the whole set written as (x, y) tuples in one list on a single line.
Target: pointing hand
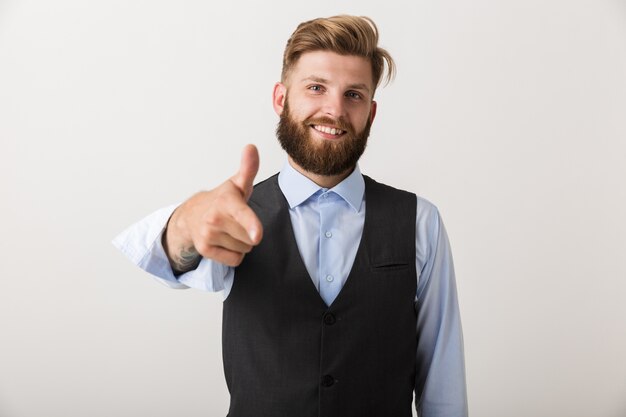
[(216, 224)]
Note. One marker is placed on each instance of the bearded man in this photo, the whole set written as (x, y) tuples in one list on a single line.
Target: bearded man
[(339, 292)]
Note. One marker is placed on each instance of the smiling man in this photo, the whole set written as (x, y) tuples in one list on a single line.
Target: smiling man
[(339, 292), (332, 96)]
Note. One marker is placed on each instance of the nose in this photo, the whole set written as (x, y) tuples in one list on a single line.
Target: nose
[(334, 106)]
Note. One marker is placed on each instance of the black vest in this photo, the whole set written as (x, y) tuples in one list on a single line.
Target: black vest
[(287, 354)]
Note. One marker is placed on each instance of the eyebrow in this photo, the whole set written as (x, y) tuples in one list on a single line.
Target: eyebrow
[(357, 86)]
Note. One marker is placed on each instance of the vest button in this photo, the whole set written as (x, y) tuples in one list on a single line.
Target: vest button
[(329, 319), (328, 381)]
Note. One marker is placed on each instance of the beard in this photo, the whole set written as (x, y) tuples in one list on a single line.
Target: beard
[(321, 157)]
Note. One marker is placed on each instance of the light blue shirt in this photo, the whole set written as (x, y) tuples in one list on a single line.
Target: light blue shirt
[(328, 224)]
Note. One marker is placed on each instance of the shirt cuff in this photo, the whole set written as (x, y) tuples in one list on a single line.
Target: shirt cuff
[(141, 243)]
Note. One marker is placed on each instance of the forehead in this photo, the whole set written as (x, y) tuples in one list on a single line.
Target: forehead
[(338, 69)]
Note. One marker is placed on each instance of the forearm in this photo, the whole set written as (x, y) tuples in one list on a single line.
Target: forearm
[(142, 243)]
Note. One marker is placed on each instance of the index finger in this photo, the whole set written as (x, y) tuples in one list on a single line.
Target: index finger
[(247, 218)]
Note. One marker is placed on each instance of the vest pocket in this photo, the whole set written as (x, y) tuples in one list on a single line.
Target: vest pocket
[(386, 266)]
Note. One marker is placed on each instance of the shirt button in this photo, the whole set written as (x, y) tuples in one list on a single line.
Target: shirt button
[(327, 381), (329, 278), (328, 234)]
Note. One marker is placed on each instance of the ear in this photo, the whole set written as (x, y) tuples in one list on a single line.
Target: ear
[(278, 97), (373, 111)]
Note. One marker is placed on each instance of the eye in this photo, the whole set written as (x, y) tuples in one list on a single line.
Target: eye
[(354, 95), (315, 88)]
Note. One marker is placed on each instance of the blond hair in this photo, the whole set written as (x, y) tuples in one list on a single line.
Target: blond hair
[(344, 35)]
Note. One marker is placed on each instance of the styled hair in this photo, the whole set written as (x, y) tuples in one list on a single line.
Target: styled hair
[(344, 35)]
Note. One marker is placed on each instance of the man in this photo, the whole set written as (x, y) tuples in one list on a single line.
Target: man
[(340, 297)]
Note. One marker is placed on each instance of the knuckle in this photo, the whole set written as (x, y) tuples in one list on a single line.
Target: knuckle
[(231, 258), (213, 218), (203, 248), (205, 232), (227, 194), (237, 258), (239, 212), (213, 253)]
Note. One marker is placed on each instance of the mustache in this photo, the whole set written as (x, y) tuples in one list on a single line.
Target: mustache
[(337, 123)]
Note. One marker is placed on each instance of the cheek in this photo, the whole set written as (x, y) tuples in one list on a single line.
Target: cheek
[(363, 119), (304, 111)]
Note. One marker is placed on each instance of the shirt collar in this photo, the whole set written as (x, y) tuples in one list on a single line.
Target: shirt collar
[(297, 188)]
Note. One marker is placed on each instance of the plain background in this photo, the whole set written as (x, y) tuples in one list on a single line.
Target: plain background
[(509, 115)]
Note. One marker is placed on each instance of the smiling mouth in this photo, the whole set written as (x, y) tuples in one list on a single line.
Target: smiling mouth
[(328, 131)]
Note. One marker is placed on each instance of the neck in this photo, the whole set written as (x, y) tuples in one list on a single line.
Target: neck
[(325, 181)]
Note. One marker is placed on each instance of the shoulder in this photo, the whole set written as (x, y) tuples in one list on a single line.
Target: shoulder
[(379, 188), (428, 232), (264, 190), (427, 213), (428, 225)]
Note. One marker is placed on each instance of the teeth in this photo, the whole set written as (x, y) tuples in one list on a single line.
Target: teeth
[(329, 130)]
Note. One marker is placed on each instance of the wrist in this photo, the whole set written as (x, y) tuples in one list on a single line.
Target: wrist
[(178, 245)]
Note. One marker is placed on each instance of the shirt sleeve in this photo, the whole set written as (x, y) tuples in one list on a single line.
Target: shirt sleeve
[(141, 243), (440, 388)]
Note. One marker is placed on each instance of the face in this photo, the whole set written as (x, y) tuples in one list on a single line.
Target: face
[(326, 110)]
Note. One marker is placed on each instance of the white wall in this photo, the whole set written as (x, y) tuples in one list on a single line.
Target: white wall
[(509, 115)]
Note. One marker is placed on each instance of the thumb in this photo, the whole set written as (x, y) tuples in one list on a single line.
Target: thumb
[(248, 168)]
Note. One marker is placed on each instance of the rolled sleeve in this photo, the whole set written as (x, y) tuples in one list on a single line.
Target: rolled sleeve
[(142, 245)]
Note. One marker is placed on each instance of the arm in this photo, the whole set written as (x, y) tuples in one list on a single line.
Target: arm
[(440, 388), (215, 224), (141, 244), (193, 245)]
